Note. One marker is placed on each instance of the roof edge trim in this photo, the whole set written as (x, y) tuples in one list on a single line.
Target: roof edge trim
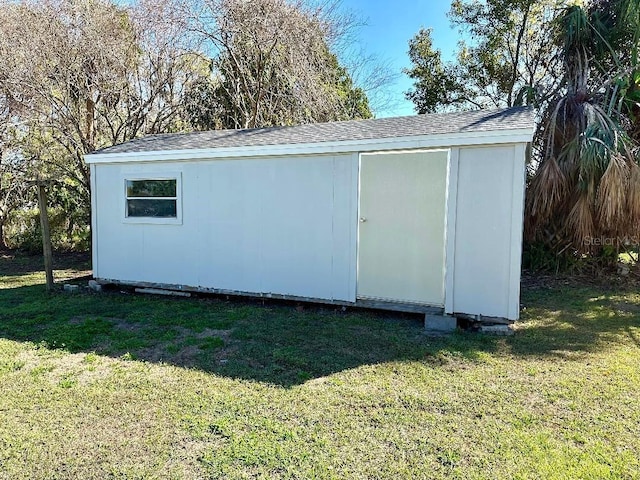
[(521, 135)]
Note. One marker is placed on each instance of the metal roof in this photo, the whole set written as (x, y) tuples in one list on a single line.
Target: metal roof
[(351, 130)]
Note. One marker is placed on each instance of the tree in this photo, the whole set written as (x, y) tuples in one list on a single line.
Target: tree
[(273, 66), (436, 85), (13, 193), (13, 187), (508, 60), (352, 101), (209, 106), (80, 75), (587, 184), (617, 51), (89, 73)]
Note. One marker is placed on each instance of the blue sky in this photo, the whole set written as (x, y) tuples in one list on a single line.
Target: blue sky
[(390, 25)]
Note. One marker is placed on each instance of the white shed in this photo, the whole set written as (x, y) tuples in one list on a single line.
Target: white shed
[(418, 213)]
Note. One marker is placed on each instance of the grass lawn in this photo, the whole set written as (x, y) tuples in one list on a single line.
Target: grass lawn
[(115, 385)]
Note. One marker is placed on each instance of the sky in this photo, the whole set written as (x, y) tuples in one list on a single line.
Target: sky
[(390, 24)]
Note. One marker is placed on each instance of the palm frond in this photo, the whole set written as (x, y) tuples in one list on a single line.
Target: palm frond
[(633, 200), (547, 190), (611, 198), (575, 31), (580, 223)]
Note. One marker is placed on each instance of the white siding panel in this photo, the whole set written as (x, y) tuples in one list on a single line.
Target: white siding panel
[(483, 230), (141, 252), (281, 226), (296, 244), (517, 220), (345, 227), (230, 216), (450, 228)]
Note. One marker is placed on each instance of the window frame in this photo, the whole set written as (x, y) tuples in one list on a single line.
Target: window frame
[(177, 176)]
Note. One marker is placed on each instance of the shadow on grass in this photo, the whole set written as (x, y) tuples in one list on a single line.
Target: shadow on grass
[(13, 263), (285, 345)]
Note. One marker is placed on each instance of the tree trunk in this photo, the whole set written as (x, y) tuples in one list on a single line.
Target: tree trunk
[(46, 236), (3, 243)]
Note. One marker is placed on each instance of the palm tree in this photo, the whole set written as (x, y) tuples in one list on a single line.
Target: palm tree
[(587, 184)]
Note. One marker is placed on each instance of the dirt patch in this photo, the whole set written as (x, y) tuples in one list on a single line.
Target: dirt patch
[(74, 276), (184, 352), (119, 323), (181, 350), (604, 280), (210, 332), (124, 325), (627, 307), (187, 348)]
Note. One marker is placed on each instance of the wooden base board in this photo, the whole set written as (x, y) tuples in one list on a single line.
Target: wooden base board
[(360, 303)]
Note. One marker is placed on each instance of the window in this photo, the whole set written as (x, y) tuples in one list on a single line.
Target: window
[(152, 200)]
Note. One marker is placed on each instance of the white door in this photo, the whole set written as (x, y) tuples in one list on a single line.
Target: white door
[(401, 232)]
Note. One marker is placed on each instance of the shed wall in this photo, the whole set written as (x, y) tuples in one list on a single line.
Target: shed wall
[(487, 233), (288, 226), (285, 226)]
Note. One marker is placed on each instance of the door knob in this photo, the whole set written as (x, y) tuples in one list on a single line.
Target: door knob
[(363, 219)]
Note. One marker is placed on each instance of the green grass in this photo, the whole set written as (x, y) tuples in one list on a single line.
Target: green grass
[(115, 385)]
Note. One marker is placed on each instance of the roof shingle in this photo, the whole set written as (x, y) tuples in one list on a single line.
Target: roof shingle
[(415, 125)]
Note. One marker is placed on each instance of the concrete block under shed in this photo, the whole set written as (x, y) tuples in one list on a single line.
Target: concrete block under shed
[(440, 324), (95, 286), (496, 329), (159, 291), (71, 288)]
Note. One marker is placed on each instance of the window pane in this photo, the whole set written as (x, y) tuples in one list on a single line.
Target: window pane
[(151, 188), (152, 208)]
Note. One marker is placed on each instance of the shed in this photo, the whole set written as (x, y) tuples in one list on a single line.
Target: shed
[(418, 213)]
